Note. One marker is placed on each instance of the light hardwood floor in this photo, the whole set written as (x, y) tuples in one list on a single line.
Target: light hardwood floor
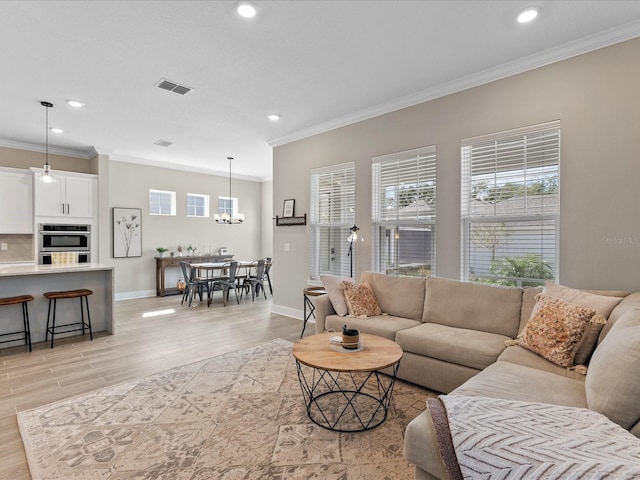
[(142, 345)]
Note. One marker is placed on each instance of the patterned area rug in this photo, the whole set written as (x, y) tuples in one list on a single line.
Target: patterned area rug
[(236, 416)]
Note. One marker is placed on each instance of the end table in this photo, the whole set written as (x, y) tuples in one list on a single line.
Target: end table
[(307, 293)]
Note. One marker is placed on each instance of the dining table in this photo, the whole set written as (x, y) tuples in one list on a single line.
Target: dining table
[(207, 270)]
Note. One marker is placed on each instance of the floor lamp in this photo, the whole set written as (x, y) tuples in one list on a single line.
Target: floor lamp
[(353, 237)]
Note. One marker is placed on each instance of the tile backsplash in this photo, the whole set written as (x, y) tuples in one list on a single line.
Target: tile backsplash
[(19, 248)]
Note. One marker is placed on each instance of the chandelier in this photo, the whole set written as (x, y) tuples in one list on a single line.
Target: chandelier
[(227, 216)]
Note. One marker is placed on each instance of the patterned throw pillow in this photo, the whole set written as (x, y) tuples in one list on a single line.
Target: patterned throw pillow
[(361, 301), (556, 329)]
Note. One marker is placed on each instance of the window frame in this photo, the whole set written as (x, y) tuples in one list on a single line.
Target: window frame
[(330, 222), (544, 142), (234, 206), (416, 170), (205, 205), (161, 193)]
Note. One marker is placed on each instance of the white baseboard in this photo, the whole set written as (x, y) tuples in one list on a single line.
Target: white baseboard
[(132, 295), (287, 311)]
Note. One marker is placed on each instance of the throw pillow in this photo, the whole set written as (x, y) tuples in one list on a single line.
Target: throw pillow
[(555, 330), (333, 285), (361, 301), (600, 303)]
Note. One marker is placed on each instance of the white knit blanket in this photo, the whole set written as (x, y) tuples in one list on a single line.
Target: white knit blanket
[(503, 439)]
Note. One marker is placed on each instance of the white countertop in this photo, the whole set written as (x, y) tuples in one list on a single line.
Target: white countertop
[(32, 269)]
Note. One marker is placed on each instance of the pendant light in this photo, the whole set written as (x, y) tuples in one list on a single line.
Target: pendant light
[(227, 217), (47, 176)]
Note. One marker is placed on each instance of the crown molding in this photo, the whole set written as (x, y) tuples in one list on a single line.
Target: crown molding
[(184, 168), (86, 154), (588, 44)]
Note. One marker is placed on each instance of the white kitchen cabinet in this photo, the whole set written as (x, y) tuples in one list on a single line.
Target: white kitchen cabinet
[(16, 201), (68, 196)]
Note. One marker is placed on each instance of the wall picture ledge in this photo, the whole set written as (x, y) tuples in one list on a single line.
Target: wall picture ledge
[(127, 232), (288, 208), (291, 221)]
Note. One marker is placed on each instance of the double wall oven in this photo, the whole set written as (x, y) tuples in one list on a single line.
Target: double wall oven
[(75, 239)]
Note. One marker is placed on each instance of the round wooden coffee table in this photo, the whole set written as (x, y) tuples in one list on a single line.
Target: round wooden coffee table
[(346, 391)]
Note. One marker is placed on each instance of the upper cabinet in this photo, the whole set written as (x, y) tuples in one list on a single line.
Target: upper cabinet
[(16, 204), (70, 195)]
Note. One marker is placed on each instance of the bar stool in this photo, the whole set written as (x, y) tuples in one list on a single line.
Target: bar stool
[(55, 296), (23, 299)]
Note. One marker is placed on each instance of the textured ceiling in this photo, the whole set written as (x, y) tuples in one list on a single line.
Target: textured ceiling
[(319, 64)]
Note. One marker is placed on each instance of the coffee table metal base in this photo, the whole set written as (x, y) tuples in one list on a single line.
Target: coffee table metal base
[(346, 401)]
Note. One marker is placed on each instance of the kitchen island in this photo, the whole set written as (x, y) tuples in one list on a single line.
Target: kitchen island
[(30, 279)]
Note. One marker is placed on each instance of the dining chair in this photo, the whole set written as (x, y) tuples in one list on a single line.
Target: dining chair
[(193, 284), (255, 281), (267, 267), (227, 281)]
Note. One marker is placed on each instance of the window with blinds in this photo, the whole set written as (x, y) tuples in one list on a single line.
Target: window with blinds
[(162, 202), (228, 205), (332, 213), (403, 189), (510, 206), (197, 205)]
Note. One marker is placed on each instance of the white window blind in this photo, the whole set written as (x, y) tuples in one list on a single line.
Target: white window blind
[(333, 206), (404, 212), (197, 205), (162, 202), (511, 206)]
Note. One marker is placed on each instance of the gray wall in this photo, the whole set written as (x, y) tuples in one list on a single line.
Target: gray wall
[(595, 96)]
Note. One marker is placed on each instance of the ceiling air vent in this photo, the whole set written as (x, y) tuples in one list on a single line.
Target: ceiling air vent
[(173, 87), (163, 143)]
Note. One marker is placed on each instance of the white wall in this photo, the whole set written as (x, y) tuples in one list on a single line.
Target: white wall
[(595, 97)]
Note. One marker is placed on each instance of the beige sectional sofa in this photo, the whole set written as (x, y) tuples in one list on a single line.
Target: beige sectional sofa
[(453, 336)]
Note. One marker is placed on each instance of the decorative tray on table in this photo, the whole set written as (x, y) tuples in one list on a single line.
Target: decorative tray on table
[(335, 343)]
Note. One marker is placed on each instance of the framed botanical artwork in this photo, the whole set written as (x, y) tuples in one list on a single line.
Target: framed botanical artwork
[(127, 232), (288, 208)]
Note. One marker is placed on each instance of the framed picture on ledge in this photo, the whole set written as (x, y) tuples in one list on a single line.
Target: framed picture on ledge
[(288, 208)]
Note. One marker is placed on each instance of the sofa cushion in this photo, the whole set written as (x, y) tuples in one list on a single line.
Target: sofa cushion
[(600, 303), (556, 329), (461, 346), (398, 296), (529, 300), (474, 306), (333, 285), (361, 301), (612, 385), (384, 325), (522, 356), (630, 303), (511, 381)]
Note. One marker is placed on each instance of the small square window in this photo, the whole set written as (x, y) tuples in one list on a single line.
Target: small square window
[(162, 202), (197, 205)]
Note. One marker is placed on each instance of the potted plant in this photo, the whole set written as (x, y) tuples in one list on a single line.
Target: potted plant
[(161, 251), (190, 250)]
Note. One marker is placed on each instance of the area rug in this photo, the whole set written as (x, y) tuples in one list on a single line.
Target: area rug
[(236, 416)]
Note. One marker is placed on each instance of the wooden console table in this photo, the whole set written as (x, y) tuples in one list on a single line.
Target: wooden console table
[(172, 262)]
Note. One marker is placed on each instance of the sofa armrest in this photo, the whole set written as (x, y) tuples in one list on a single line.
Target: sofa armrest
[(323, 309)]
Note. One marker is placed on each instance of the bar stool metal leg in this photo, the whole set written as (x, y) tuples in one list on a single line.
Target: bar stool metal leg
[(26, 328)]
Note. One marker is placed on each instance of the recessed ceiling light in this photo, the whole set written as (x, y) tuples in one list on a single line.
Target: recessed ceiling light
[(246, 9), (273, 116), (528, 14), (75, 103), (56, 130)]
